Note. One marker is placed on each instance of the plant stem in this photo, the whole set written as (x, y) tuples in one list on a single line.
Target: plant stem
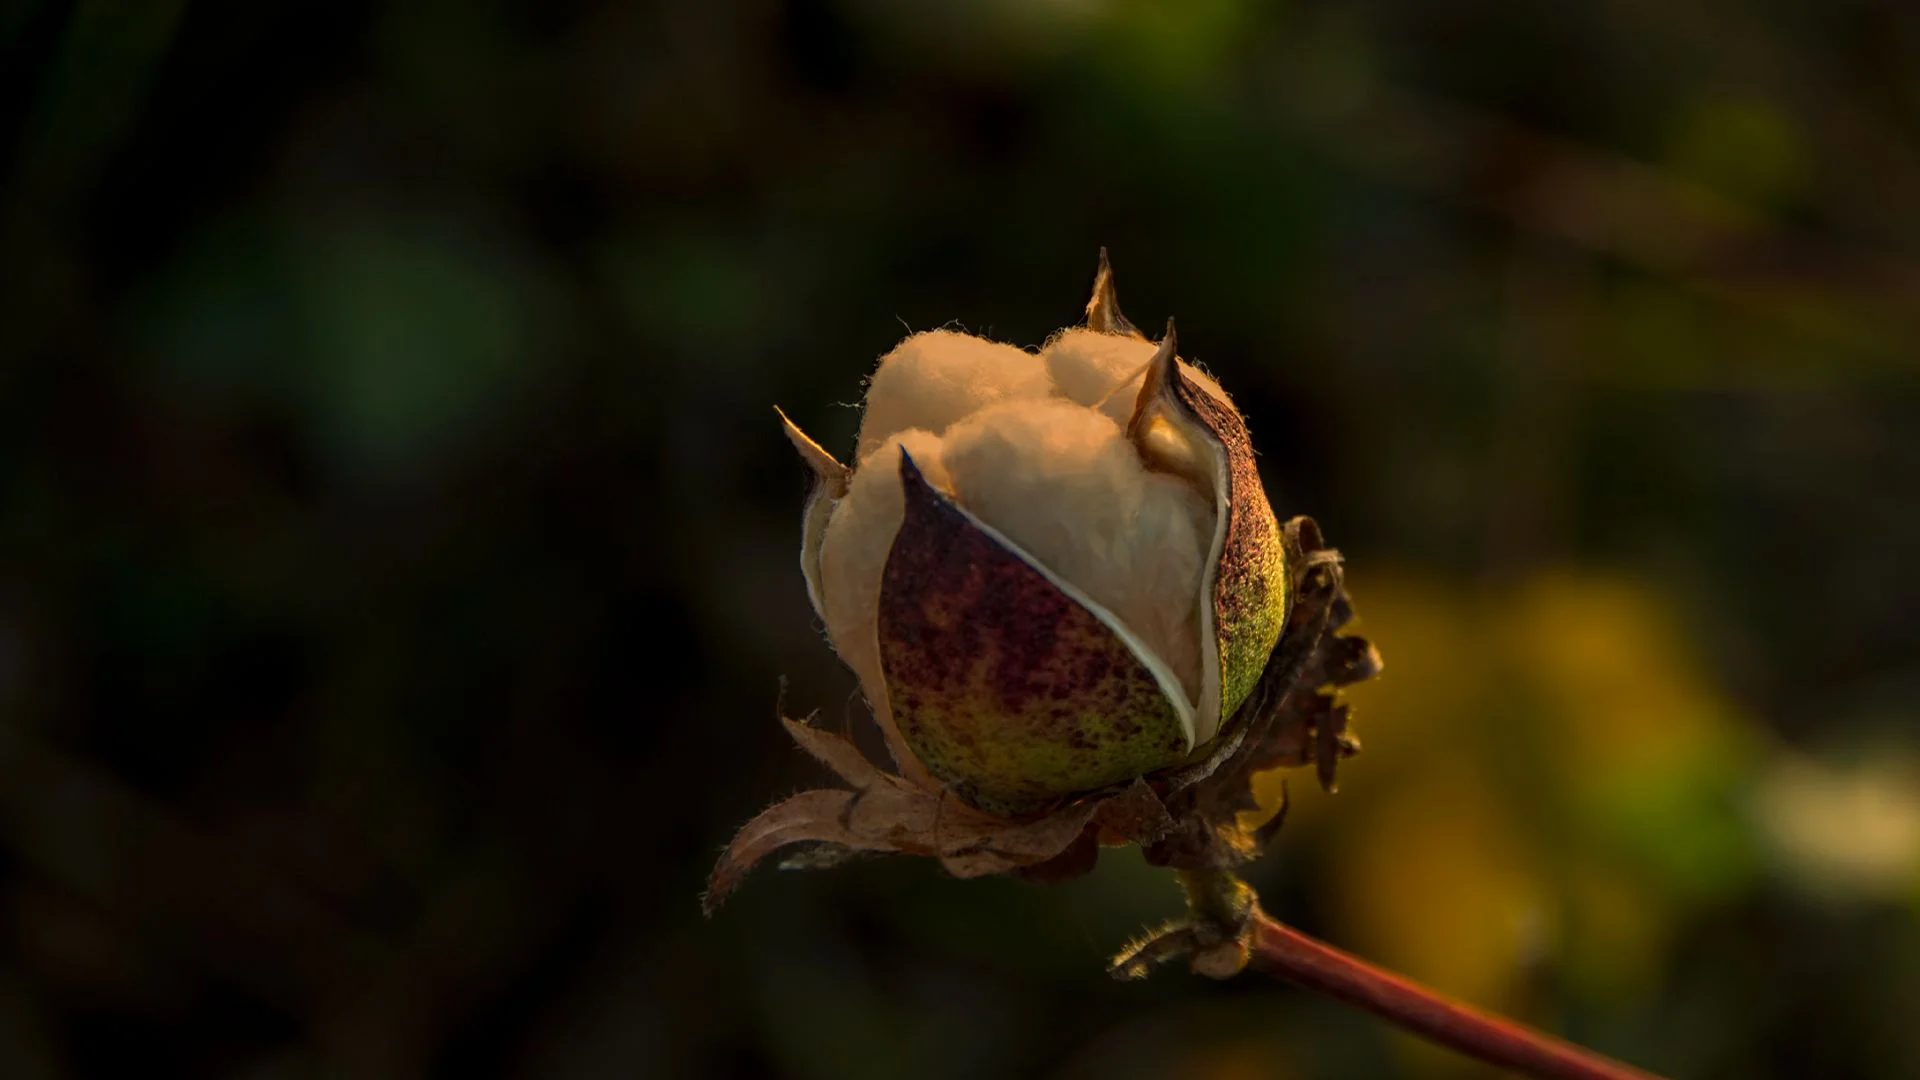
[(1286, 952)]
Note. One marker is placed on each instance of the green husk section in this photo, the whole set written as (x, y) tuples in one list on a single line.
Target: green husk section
[(1244, 592), (1250, 576), (1010, 691)]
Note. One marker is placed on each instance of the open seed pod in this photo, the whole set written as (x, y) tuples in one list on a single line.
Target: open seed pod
[(1069, 604)]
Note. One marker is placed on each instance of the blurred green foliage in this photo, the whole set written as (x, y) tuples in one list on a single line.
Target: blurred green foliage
[(397, 552)]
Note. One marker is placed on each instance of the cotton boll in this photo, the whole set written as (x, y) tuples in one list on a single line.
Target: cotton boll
[(933, 379), (1063, 483), (1049, 614), (853, 555)]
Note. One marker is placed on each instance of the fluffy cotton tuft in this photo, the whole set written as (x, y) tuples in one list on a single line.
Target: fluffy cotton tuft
[(1036, 448), (1095, 369), (1106, 370), (931, 380)]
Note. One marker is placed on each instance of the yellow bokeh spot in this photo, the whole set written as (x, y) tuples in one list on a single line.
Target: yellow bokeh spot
[(1617, 930), (1613, 670), (1241, 1059), (1436, 882), (1549, 777)]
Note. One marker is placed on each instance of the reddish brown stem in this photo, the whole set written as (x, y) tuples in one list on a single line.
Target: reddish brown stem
[(1291, 955)]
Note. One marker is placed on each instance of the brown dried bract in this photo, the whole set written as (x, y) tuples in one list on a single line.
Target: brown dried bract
[(1186, 818)]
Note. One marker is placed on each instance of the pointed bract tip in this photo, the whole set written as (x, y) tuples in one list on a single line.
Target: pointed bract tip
[(1103, 309), (824, 465), (911, 473), (1158, 389), (1160, 367)]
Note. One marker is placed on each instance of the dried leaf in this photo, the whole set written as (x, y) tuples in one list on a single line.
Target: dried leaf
[(810, 815), (836, 752)]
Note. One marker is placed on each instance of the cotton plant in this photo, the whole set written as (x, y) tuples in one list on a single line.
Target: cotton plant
[(1078, 623)]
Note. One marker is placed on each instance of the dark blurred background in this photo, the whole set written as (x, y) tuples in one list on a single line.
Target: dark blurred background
[(397, 548)]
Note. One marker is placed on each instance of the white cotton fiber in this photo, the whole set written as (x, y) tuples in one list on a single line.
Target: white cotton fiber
[(1106, 370), (1088, 366), (931, 380), (854, 554)]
